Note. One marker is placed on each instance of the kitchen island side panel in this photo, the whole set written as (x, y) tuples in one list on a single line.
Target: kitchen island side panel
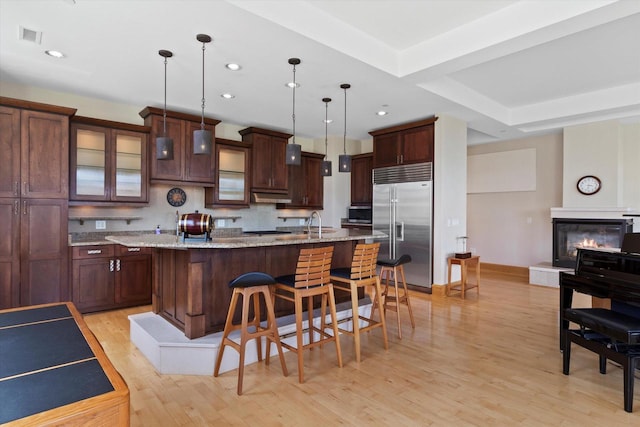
[(194, 291)]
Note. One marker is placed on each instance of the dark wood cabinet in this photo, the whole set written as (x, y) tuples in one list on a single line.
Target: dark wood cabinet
[(108, 162), (268, 165), (306, 184), (233, 162), (362, 180), (110, 276), (404, 144), (185, 166), (9, 252), (34, 189), (43, 250), (33, 247)]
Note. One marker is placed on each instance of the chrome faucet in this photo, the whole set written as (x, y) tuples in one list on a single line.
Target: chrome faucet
[(310, 220)]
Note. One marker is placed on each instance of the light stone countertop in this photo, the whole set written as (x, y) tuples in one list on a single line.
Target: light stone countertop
[(170, 241)]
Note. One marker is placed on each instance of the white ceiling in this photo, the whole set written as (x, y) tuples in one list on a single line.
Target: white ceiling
[(508, 68)]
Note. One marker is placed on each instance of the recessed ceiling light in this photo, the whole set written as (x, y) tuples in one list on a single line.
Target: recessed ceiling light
[(381, 113), (54, 53), (227, 96), (233, 67), (292, 84), (327, 121)]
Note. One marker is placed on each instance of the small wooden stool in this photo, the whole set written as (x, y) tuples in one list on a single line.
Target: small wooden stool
[(464, 263), (394, 267), (250, 286)]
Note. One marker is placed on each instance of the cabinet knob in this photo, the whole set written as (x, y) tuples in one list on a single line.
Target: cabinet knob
[(24, 207), (111, 263), (118, 265)]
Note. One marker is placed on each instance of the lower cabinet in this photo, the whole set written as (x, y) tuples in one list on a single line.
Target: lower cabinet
[(110, 276)]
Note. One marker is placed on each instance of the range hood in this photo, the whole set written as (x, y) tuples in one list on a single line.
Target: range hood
[(270, 198)]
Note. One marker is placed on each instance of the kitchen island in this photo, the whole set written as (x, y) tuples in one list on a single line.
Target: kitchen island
[(190, 278)]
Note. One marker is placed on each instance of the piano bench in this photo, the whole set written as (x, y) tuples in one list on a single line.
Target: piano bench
[(610, 334)]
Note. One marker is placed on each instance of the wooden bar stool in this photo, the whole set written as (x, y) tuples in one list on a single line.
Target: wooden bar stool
[(361, 274), (393, 267), (310, 279), (250, 286)]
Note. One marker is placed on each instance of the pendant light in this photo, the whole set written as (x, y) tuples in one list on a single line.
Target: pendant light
[(294, 151), (202, 139), (164, 144), (344, 160), (325, 168)]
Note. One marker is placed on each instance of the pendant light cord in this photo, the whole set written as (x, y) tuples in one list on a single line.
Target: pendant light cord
[(202, 121), (164, 112), (344, 140), (293, 114), (326, 118)]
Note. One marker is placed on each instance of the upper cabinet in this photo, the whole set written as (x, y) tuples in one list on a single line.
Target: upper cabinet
[(233, 161), (108, 162), (362, 180), (306, 183), (185, 166), (268, 167), (404, 144), (35, 150)]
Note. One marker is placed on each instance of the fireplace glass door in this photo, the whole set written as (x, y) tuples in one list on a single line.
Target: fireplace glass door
[(570, 234)]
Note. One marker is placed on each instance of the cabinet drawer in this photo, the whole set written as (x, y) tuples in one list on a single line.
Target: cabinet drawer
[(133, 250), (97, 251)]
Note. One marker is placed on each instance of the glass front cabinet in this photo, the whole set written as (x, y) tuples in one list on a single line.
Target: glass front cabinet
[(108, 162), (232, 179)]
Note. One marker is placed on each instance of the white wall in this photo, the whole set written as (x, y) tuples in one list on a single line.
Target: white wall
[(514, 228), (609, 150), (449, 190)]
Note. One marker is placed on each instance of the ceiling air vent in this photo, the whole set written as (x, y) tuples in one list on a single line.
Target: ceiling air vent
[(30, 35)]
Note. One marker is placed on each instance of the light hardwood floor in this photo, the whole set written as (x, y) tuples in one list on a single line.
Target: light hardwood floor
[(491, 360)]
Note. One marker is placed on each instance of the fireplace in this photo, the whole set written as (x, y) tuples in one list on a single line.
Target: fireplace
[(569, 234)]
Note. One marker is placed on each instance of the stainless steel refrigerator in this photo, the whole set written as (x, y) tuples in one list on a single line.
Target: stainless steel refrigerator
[(402, 209)]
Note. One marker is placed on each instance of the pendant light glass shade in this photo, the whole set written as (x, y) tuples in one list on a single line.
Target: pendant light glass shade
[(325, 168), (202, 139), (164, 144), (344, 160), (294, 151)]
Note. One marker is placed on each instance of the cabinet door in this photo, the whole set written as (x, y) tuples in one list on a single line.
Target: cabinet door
[(89, 162), (280, 176), (361, 180), (314, 181), (9, 253), (232, 186), (10, 149), (417, 145), (133, 280), (129, 160), (93, 283), (170, 170), (199, 168), (44, 155), (43, 251), (385, 150), (261, 168)]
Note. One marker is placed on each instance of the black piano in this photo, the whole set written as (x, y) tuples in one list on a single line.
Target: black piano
[(611, 333)]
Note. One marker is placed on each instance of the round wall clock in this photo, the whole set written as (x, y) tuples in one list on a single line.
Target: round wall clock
[(589, 185), (176, 197)]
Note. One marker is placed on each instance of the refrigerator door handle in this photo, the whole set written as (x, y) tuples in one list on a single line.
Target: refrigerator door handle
[(400, 231)]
